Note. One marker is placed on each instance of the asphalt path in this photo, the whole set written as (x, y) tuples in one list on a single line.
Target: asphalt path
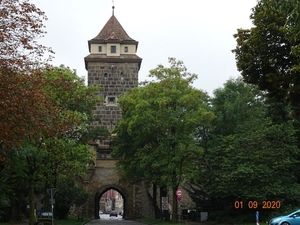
[(105, 219)]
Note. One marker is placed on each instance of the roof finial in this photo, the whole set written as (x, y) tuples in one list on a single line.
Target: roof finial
[(113, 7)]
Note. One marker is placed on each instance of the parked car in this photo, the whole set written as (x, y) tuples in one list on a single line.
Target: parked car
[(113, 213), (290, 219), (46, 214)]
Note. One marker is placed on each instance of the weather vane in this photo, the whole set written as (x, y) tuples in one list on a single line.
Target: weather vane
[(113, 7)]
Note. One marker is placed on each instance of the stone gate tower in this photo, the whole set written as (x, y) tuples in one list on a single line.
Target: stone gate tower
[(113, 63)]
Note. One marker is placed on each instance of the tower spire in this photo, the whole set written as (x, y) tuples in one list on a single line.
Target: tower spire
[(113, 7)]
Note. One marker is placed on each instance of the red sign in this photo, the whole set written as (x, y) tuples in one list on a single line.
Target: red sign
[(179, 198), (178, 193)]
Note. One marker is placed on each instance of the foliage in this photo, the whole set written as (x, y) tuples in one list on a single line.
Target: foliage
[(25, 109), (69, 91), (61, 150), (236, 103), (249, 156), (156, 135), (67, 195), (68, 152), (268, 57), (21, 25), (260, 154), (268, 54), (22, 101), (29, 115)]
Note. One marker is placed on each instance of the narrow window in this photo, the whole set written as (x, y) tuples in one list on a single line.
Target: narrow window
[(113, 49), (111, 100), (126, 49), (99, 48)]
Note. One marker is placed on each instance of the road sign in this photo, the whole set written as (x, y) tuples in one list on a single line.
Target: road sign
[(52, 201), (164, 203), (179, 198), (51, 192), (164, 206), (178, 192)]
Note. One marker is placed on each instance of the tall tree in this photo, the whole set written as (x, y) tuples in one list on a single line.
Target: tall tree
[(248, 151), (22, 101), (268, 54), (156, 135), (63, 152)]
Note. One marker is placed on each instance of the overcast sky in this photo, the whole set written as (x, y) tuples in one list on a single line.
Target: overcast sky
[(198, 32)]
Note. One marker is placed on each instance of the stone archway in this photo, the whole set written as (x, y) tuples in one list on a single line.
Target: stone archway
[(137, 201), (101, 191)]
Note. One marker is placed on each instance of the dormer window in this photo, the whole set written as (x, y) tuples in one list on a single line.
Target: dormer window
[(126, 49), (113, 49), (99, 48)]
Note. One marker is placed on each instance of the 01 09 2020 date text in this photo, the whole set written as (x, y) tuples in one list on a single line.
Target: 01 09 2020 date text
[(257, 204)]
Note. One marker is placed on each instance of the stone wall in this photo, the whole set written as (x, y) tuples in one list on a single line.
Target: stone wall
[(115, 79)]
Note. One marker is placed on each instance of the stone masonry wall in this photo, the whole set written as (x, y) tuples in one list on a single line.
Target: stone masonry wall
[(115, 79)]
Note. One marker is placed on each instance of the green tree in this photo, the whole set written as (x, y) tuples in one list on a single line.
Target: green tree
[(249, 157), (156, 136), (68, 194), (268, 54), (23, 102), (63, 152)]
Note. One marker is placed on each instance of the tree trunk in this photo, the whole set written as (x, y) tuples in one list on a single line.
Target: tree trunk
[(174, 206), (31, 203), (156, 207)]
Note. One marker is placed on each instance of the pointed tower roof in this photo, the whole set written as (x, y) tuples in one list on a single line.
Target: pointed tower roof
[(113, 32)]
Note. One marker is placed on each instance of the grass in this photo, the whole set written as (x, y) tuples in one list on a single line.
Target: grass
[(69, 221)]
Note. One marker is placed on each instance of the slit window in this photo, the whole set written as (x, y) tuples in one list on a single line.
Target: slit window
[(99, 48), (126, 49)]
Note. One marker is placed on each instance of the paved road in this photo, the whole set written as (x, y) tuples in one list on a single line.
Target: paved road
[(106, 220)]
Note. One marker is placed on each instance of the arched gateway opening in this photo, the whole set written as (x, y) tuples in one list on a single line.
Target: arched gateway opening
[(114, 198)]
